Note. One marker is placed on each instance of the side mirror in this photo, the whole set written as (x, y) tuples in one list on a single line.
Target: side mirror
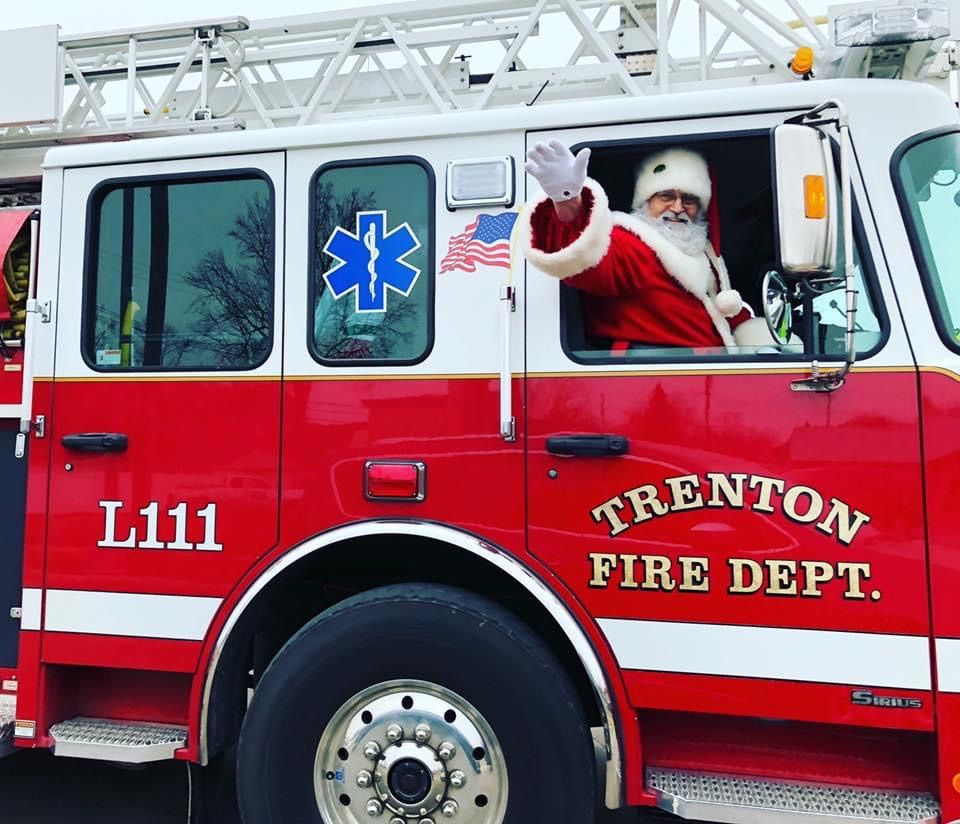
[(776, 307), (805, 201)]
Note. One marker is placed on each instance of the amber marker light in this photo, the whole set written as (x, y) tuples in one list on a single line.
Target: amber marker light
[(802, 63), (956, 782), (815, 196)]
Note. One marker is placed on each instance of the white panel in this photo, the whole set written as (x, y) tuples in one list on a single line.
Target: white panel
[(818, 656), (134, 614), (948, 664), (30, 67), (78, 186), (31, 604)]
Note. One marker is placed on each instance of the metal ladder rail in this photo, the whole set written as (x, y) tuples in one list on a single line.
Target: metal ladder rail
[(395, 59)]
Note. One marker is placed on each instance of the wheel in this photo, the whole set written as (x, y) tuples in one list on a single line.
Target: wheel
[(414, 704)]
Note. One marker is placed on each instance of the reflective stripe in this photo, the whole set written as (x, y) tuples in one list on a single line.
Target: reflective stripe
[(818, 656), (948, 664), (31, 605), (180, 617)]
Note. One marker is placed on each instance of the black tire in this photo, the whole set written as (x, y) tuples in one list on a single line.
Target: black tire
[(438, 634)]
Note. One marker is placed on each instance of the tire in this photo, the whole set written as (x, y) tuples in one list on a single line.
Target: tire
[(371, 671)]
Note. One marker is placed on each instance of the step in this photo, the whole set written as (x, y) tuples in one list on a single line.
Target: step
[(8, 711), (130, 742), (744, 800)]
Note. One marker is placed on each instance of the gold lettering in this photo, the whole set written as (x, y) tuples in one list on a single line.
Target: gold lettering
[(767, 485), (695, 572), (629, 572), (686, 492), (739, 567), (814, 574), (603, 564), (856, 575), (846, 529), (608, 509), (720, 485), (783, 578), (814, 508), (657, 573), (643, 497)]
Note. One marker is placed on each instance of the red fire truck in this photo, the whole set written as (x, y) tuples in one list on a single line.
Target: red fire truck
[(307, 472)]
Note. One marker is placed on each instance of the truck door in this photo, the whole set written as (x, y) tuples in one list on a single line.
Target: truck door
[(165, 434), (743, 546)]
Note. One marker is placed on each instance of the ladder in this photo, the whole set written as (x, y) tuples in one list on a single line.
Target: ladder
[(413, 58)]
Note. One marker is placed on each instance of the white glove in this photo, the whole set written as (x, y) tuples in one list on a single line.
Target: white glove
[(559, 173)]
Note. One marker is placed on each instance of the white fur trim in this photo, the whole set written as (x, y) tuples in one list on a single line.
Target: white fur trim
[(585, 252), (683, 169), (753, 332), (729, 302), (692, 272)]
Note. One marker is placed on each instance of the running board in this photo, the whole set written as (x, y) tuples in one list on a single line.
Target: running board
[(130, 742), (741, 800)]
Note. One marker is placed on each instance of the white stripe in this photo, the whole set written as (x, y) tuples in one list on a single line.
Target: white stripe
[(134, 614), (31, 604), (948, 664), (819, 656)]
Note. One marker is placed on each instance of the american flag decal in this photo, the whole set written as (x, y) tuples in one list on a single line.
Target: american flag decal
[(485, 242)]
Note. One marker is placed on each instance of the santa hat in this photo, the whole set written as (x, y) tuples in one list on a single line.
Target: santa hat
[(680, 169)]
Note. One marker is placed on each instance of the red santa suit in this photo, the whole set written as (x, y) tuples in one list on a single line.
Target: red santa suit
[(637, 286)]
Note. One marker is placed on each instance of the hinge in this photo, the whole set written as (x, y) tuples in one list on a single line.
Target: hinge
[(41, 308), (16, 612), (509, 293)]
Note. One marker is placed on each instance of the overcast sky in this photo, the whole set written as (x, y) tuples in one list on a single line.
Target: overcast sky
[(80, 16)]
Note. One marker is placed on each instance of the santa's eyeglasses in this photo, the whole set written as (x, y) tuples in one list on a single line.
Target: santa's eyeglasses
[(668, 196)]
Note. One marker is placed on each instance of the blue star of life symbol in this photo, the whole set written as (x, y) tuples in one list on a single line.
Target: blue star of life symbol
[(371, 261)]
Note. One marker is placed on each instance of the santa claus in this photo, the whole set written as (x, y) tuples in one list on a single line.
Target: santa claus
[(651, 277)]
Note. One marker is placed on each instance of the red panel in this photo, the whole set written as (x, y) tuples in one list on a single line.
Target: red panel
[(786, 700), (191, 442), (11, 371), (802, 752), (122, 653)]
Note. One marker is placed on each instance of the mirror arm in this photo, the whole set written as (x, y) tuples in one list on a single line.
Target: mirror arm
[(833, 380)]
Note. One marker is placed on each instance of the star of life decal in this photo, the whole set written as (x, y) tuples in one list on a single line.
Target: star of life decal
[(371, 261)]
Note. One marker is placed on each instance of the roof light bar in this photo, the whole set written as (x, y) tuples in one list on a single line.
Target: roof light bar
[(892, 23)]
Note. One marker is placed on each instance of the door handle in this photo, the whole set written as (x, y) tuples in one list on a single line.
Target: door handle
[(95, 441), (588, 445)]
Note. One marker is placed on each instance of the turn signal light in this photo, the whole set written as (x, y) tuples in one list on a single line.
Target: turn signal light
[(815, 196), (956, 782), (394, 480)]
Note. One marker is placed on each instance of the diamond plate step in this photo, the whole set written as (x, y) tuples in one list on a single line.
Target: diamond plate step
[(8, 711), (131, 742), (742, 800)]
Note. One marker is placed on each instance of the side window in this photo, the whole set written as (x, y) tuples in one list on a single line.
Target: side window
[(649, 304), (180, 274), (372, 283)]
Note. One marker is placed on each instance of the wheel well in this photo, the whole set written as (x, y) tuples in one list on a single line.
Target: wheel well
[(325, 577)]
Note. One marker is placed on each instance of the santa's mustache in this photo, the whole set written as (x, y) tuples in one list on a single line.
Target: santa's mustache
[(674, 217)]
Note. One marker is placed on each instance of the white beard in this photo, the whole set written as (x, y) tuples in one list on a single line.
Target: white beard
[(690, 237)]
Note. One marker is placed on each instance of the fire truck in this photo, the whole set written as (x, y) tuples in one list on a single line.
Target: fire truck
[(312, 482)]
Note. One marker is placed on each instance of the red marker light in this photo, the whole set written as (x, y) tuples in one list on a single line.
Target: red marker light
[(395, 480)]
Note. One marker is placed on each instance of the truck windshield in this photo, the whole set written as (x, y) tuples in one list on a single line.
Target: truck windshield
[(929, 177)]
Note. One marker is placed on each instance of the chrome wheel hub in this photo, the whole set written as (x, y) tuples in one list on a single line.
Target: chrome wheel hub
[(409, 751)]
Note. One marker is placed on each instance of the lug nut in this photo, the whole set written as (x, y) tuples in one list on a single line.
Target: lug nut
[(422, 733), (371, 750), (446, 751), (364, 779), (457, 779), (394, 733), (397, 821), (374, 808), (426, 821), (450, 808)]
